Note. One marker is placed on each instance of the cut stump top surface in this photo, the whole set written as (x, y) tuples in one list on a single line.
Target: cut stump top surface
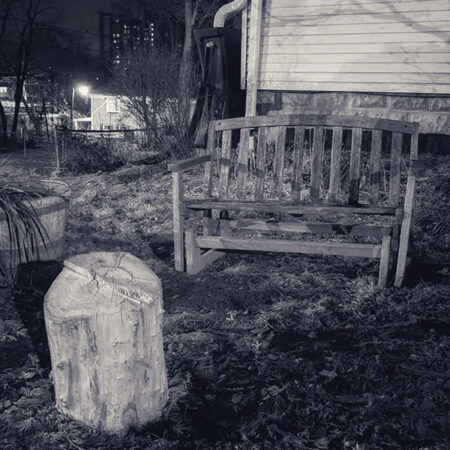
[(100, 283)]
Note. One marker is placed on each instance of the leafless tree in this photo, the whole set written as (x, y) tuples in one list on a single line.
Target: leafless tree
[(22, 23), (197, 14), (147, 85), (5, 14)]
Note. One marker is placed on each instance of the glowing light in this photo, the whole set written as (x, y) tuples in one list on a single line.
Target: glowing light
[(83, 89)]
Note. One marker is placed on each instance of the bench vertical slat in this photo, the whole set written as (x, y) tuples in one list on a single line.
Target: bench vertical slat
[(225, 164), (335, 165), (261, 163), (407, 213), (178, 220), (316, 166), (242, 163), (296, 184), (211, 150), (355, 166), (396, 158), (375, 166), (279, 161)]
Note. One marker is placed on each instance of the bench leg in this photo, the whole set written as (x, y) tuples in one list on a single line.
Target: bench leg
[(384, 262), (207, 223), (178, 221), (195, 259)]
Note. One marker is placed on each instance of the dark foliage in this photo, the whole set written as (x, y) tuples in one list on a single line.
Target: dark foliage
[(85, 155)]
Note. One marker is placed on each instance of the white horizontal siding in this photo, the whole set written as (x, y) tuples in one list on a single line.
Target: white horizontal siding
[(362, 18), (365, 3), (400, 46), (352, 58), (421, 26), (311, 8)]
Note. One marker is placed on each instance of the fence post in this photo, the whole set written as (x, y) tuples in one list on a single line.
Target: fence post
[(24, 137), (63, 146), (58, 164)]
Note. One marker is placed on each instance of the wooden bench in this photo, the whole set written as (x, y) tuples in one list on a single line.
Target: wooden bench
[(335, 180)]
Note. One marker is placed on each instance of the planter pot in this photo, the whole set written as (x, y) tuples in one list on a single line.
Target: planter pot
[(52, 212)]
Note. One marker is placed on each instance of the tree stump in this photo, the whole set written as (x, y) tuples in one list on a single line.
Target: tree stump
[(103, 320)]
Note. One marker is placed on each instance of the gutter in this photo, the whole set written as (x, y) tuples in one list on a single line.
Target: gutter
[(227, 11)]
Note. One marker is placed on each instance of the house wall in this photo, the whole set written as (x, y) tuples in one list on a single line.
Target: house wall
[(432, 113), (102, 119), (381, 58)]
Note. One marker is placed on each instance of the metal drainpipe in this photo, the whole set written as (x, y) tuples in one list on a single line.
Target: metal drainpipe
[(228, 10)]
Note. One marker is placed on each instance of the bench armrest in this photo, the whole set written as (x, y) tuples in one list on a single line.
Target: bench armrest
[(185, 164)]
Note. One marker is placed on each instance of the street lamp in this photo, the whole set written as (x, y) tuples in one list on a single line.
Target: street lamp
[(83, 90)]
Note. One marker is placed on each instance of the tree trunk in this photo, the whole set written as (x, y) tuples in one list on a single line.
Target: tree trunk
[(17, 99), (103, 319), (187, 55)]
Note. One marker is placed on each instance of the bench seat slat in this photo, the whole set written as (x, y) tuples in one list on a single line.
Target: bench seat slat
[(309, 227), (290, 246), (375, 166), (242, 163), (261, 163), (279, 161), (316, 165), (297, 164), (355, 166), (225, 164), (211, 150), (396, 159), (335, 165), (278, 208)]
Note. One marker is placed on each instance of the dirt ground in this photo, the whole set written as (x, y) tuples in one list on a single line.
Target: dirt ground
[(263, 351)]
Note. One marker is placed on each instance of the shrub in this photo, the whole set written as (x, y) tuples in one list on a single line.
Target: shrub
[(85, 154)]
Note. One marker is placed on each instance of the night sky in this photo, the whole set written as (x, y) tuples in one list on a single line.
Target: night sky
[(78, 20), (79, 14)]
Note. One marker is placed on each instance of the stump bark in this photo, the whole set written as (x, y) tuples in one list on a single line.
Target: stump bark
[(103, 320)]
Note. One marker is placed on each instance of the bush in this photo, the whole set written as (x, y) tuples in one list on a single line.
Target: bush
[(85, 154)]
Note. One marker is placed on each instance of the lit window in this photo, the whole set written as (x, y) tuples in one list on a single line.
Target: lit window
[(3, 89), (113, 104)]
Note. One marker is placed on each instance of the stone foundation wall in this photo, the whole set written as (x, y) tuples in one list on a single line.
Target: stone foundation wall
[(432, 113)]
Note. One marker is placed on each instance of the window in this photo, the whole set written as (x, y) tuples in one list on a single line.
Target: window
[(3, 89), (112, 105)]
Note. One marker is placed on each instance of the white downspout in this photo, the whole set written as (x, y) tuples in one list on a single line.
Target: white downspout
[(228, 10)]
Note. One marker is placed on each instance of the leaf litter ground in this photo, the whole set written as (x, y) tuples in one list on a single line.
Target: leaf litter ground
[(263, 351)]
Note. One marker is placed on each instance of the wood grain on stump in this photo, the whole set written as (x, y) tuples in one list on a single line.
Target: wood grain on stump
[(103, 318)]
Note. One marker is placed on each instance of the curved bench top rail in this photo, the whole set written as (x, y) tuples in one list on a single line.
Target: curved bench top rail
[(291, 120)]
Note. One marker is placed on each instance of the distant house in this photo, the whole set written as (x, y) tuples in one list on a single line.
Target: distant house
[(7, 92), (109, 113)]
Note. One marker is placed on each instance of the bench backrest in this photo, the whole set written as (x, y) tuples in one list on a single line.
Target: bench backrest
[(296, 158)]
